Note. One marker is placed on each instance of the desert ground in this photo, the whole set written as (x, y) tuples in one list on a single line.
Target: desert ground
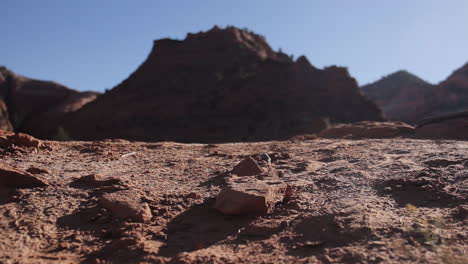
[(352, 201)]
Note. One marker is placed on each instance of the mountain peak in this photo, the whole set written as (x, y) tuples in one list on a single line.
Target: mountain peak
[(397, 79), (229, 41)]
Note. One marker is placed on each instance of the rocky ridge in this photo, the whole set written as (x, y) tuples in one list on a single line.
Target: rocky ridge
[(405, 97), (37, 107), (219, 86)]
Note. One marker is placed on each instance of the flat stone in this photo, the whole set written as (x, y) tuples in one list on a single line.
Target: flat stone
[(250, 196), (96, 180), (13, 178), (247, 167), (126, 204)]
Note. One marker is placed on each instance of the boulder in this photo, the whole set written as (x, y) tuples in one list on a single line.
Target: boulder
[(24, 140), (13, 178), (250, 196), (126, 204), (453, 126), (368, 129)]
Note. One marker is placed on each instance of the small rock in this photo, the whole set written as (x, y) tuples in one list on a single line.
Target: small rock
[(160, 235), (284, 224), (35, 170), (388, 189), (193, 195), (178, 207), (461, 212), (96, 180), (266, 157), (247, 167), (126, 204), (250, 196), (13, 178)]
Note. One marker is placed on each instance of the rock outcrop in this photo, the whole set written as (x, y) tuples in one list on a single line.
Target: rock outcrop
[(453, 126), (451, 95), (5, 123), (405, 97), (250, 196), (222, 85), (8, 139), (13, 178), (367, 129), (37, 107)]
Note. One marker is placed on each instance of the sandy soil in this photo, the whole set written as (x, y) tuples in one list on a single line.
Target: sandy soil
[(354, 201)]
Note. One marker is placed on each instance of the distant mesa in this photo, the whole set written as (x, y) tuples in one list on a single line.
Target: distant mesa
[(36, 107), (219, 86), (406, 97)]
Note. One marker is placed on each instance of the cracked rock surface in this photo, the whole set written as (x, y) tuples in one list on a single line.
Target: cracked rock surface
[(352, 201)]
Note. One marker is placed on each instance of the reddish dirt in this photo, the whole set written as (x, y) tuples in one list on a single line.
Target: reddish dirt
[(353, 201)]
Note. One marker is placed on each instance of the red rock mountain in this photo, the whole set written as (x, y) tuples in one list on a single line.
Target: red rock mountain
[(222, 85), (37, 107), (402, 96), (451, 95), (405, 97)]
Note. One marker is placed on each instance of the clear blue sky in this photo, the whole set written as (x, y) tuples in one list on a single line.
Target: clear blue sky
[(95, 44)]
